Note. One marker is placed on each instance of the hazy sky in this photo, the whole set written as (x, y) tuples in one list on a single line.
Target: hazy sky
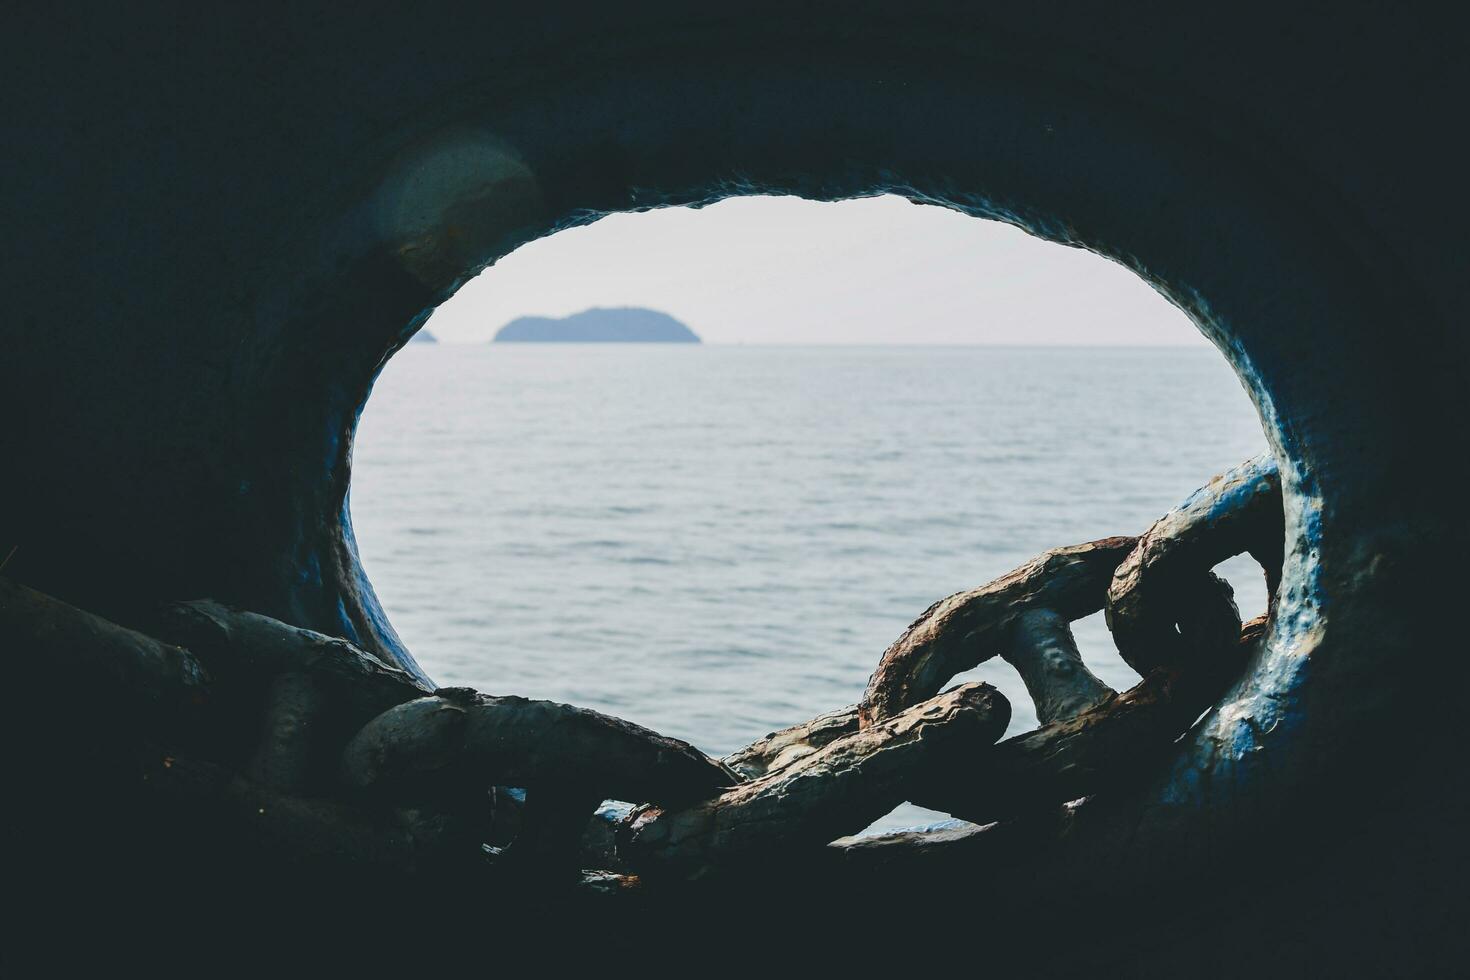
[(785, 270)]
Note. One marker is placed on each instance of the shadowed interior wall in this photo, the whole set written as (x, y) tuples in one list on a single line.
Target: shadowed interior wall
[(220, 226)]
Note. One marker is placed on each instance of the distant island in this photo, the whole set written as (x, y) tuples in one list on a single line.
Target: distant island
[(626, 325)]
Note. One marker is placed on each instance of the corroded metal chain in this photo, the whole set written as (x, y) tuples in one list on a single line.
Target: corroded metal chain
[(420, 779), (1164, 606), (1174, 620)]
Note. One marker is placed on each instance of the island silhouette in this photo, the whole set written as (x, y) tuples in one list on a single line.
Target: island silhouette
[(599, 325)]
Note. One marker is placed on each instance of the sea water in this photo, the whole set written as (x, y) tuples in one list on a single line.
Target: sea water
[(720, 541)]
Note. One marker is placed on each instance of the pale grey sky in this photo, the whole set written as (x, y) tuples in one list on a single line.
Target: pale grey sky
[(764, 270)]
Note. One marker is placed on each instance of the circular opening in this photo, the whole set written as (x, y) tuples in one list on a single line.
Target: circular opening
[(1205, 226), (893, 403)]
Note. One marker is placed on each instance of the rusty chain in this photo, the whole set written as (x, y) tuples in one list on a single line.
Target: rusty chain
[(413, 766), (1174, 621)]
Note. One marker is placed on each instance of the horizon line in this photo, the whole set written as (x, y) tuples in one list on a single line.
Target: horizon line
[(440, 341)]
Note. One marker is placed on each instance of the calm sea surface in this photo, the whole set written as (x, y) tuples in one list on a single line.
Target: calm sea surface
[(717, 542)]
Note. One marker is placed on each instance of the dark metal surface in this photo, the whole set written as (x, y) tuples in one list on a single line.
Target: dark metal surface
[(220, 225)]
